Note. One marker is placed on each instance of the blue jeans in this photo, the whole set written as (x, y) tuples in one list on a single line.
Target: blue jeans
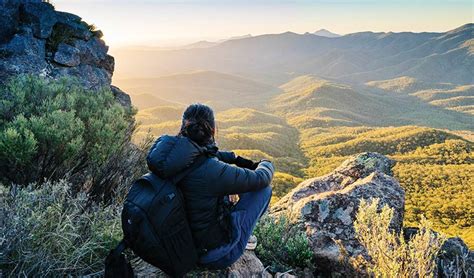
[(244, 217)]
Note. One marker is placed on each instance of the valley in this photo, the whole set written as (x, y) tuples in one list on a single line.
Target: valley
[(308, 108)]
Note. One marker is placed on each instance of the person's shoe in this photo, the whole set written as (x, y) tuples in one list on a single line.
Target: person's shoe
[(251, 243)]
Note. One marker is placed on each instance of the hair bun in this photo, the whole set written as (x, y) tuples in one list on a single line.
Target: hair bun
[(198, 124)]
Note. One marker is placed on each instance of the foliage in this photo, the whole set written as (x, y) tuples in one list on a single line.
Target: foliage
[(93, 29), (309, 102), (441, 192), (390, 255), (282, 183), (53, 129), (434, 167), (49, 231), (281, 246)]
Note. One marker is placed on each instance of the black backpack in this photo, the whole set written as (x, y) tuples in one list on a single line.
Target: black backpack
[(155, 227)]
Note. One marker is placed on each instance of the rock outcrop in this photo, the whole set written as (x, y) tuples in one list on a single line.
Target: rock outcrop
[(36, 39), (325, 207), (454, 259), (248, 265)]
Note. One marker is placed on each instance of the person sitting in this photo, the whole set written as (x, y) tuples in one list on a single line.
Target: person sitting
[(221, 229)]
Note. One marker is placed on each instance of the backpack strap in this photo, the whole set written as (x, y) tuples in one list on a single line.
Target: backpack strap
[(198, 162), (153, 179), (120, 248), (116, 264)]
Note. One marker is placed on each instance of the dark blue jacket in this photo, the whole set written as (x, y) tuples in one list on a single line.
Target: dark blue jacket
[(205, 187)]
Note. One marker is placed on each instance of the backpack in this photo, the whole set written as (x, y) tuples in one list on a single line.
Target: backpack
[(155, 227)]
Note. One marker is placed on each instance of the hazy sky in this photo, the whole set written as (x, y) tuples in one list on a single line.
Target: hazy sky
[(165, 23)]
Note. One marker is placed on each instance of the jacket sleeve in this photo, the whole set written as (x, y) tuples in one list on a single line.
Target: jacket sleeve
[(230, 179), (227, 157)]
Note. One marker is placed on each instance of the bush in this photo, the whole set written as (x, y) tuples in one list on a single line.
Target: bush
[(390, 255), (282, 246), (53, 129), (51, 232)]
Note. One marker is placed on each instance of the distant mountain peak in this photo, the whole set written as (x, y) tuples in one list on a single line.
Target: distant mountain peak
[(326, 33), (239, 37)]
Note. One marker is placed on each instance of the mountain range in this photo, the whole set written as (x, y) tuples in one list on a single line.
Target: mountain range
[(357, 58), (309, 101), (326, 33)]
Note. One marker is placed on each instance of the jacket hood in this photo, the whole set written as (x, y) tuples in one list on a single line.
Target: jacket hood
[(170, 155)]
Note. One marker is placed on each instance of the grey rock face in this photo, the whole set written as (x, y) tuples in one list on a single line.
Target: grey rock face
[(88, 76), (26, 45), (454, 259), (121, 96), (326, 207), (66, 18), (9, 18), (67, 55), (41, 16), (92, 52), (36, 39)]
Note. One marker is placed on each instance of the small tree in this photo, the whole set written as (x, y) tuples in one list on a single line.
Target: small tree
[(390, 255), (52, 129)]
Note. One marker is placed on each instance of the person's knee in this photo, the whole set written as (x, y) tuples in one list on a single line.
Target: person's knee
[(268, 192)]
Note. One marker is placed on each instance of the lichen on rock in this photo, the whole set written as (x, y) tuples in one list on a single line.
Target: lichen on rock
[(326, 207)]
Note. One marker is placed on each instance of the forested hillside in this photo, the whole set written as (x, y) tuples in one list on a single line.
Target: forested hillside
[(434, 167), (397, 108), (309, 125), (309, 101), (451, 96)]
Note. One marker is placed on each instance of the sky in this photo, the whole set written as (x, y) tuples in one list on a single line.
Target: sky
[(172, 23)]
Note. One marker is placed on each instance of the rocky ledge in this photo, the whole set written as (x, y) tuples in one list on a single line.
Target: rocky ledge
[(36, 39), (325, 209)]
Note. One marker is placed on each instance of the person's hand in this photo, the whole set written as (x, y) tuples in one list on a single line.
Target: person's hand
[(234, 198), (245, 163)]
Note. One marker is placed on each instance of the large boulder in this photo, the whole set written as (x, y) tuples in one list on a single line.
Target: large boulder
[(24, 44), (72, 24), (41, 16), (121, 96), (325, 208), (67, 55), (93, 52), (248, 265), (89, 76), (9, 19), (35, 39), (454, 259)]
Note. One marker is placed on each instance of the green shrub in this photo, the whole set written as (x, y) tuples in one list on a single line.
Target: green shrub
[(282, 246), (51, 232), (390, 255), (52, 129)]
